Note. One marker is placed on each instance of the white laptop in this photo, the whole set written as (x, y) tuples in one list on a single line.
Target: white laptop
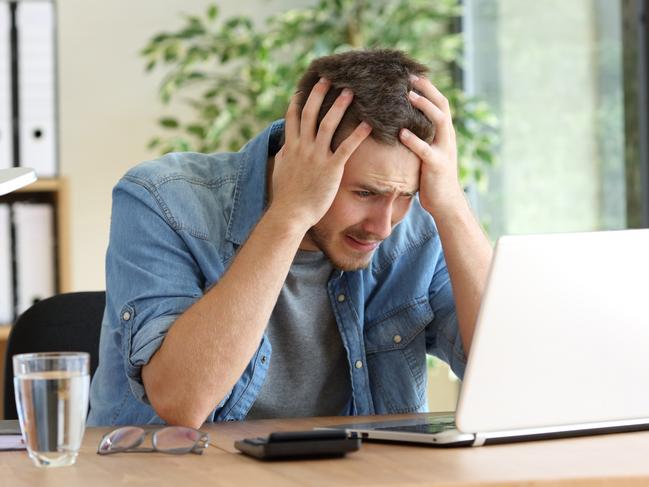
[(561, 346)]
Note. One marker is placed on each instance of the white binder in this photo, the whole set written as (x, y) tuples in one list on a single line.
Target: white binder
[(6, 147), (37, 86), (6, 291), (35, 253)]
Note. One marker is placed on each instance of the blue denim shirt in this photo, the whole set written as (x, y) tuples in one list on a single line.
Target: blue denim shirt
[(177, 223)]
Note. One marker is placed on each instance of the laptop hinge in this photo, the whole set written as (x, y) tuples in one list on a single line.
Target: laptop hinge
[(479, 439)]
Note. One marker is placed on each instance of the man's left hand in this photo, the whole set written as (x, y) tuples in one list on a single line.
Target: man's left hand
[(439, 187)]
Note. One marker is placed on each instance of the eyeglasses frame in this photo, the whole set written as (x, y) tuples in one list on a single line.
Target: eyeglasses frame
[(199, 445)]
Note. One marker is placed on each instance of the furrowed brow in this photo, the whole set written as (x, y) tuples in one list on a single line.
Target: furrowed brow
[(385, 191)]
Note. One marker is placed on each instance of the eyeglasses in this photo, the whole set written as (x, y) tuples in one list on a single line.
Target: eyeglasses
[(175, 440)]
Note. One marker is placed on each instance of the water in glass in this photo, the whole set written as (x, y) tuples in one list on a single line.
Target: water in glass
[(52, 407)]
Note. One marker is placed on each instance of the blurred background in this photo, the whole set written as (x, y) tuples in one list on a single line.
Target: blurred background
[(553, 73), (549, 97)]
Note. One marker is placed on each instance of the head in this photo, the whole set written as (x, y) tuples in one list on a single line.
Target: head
[(382, 175)]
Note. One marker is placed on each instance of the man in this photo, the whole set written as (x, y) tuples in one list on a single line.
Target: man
[(301, 275)]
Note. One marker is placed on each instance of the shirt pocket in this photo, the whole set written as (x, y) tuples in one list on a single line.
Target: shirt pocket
[(395, 346)]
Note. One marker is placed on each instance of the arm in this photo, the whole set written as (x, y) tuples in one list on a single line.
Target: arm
[(466, 248), (208, 347)]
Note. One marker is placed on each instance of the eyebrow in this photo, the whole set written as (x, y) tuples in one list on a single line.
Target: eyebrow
[(381, 191)]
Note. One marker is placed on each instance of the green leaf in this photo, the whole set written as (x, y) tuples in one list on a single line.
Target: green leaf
[(153, 143), (171, 53), (147, 50), (212, 11), (159, 38), (197, 130), (169, 123)]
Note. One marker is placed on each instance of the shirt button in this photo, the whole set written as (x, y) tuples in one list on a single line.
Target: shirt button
[(341, 298), (396, 338), (263, 359), (359, 364), (126, 316)]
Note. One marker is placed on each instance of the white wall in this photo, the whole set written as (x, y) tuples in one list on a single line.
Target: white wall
[(109, 106)]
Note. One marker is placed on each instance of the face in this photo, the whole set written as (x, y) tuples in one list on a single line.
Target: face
[(375, 194)]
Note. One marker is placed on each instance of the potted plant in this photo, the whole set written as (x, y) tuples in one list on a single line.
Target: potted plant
[(237, 77)]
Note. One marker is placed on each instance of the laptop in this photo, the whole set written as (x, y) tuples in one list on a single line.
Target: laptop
[(560, 347)]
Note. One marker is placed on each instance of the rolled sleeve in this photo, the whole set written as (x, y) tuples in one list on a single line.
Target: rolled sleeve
[(143, 345), (152, 276)]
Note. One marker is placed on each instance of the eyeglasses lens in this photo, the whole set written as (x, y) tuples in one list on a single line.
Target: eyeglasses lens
[(176, 439), (122, 439)]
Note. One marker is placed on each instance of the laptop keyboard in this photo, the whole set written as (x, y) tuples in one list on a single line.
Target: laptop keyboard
[(433, 427)]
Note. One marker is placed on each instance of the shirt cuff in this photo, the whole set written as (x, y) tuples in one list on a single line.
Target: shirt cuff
[(143, 344)]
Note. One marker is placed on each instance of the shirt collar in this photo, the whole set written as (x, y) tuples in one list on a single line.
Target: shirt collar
[(250, 189)]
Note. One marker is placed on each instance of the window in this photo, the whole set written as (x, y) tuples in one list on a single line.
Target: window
[(554, 74)]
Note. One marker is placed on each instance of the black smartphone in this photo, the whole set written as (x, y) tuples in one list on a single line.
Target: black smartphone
[(300, 444)]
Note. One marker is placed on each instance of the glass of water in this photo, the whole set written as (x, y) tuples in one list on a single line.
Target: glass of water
[(52, 402)]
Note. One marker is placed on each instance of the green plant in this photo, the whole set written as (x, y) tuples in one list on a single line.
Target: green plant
[(237, 77)]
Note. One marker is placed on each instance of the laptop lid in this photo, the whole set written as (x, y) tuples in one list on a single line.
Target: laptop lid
[(562, 334)]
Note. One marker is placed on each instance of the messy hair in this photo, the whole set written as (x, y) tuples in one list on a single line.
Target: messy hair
[(380, 81)]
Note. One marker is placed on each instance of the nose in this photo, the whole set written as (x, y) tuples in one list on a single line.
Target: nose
[(379, 223)]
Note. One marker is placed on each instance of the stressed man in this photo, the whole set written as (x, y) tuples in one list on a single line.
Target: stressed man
[(307, 274)]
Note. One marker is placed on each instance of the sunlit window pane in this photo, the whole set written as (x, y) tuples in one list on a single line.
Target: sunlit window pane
[(552, 71)]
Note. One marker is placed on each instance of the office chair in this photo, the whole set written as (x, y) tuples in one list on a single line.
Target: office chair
[(64, 323)]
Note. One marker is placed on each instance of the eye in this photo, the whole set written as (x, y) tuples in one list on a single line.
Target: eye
[(363, 194)]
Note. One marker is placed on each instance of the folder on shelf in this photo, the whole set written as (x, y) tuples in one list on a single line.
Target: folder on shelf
[(6, 286), (35, 253), (37, 86), (6, 148)]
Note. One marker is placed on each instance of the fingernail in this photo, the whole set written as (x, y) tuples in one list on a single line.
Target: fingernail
[(413, 77), (366, 126), (413, 95), (405, 133), (346, 92), (323, 80)]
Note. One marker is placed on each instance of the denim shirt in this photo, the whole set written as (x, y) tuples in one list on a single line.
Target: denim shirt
[(176, 226)]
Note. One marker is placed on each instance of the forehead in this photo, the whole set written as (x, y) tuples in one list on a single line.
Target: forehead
[(390, 167)]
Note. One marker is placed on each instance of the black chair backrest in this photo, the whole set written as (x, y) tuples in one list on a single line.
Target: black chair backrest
[(64, 323)]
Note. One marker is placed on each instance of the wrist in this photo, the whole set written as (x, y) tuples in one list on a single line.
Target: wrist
[(291, 222), (449, 205)]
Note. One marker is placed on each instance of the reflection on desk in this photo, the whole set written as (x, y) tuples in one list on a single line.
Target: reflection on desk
[(617, 459)]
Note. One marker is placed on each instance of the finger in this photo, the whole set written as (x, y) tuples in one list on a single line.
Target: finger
[(351, 143), (442, 122), (429, 90), (332, 119), (309, 119), (419, 147), (292, 119)]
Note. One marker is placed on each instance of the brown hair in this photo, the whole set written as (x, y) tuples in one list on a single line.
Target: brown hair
[(380, 80)]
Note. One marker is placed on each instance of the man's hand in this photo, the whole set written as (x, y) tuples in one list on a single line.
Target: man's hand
[(306, 173), (439, 187), (466, 248)]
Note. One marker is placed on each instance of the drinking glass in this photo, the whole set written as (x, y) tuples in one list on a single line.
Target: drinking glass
[(52, 402)]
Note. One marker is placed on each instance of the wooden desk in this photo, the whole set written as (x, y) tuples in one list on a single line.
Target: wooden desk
[(618, 460)]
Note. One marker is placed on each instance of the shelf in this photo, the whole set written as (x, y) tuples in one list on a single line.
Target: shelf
[(41, 186), (4, 332), (54, 190)]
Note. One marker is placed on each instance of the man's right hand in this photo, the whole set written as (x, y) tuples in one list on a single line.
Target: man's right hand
[(306, 173), (213, 341)]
